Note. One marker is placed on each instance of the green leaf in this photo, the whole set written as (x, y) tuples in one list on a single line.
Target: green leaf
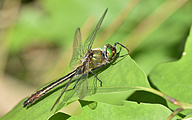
[(119, 80), (129, 111), (124, 77), (174, 78)]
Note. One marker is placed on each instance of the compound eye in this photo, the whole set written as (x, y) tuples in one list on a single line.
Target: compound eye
[(109, 53)]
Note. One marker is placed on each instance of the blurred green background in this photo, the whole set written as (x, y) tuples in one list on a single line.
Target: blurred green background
[(36, 37)]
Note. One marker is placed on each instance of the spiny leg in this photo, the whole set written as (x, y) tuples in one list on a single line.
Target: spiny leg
[(123, 47), (97, 78)]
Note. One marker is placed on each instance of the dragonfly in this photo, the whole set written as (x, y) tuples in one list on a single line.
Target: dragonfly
[(84, 61)]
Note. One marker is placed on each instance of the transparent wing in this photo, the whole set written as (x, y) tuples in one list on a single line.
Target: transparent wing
[(64, 90), (69, 93), (86, 86), (89, 41), (82, 86), (77, 50), (92, 86)]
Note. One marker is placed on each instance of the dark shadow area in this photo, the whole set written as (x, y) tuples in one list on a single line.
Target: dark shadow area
[(27, 1), (146, 97), (63, 116), (84, 102), (59, 116)]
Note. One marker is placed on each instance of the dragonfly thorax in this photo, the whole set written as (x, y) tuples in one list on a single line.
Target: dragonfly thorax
[(109, 52)]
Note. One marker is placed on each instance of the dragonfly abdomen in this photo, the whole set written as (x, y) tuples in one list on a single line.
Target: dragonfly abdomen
[(47, 88)]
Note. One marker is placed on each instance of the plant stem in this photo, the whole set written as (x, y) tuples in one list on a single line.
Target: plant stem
[(182, 105)]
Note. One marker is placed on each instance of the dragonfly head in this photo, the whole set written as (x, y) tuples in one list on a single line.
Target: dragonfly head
[(109, 52)]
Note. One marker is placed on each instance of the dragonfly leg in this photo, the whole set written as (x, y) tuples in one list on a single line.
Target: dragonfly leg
[(122, 55), (123, 47), (97, 78)]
